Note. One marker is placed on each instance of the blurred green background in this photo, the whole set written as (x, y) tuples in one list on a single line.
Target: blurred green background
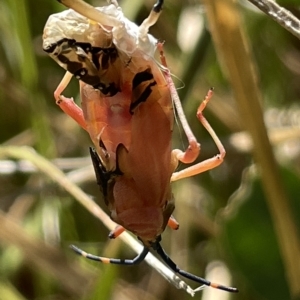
[(227, 233)]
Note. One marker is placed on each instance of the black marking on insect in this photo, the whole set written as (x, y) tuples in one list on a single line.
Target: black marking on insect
[(108, 90), (105, 179), (128, 62), (86, 62), (102, 176), (104, 57), (142, 87)]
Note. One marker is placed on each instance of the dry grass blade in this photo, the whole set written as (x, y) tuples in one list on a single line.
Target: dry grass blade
[(43, 257), (234, 51)]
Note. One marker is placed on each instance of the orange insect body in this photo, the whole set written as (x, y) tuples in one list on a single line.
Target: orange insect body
[(127, 110), (140, 194)]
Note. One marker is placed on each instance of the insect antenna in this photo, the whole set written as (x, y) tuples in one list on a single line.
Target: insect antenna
[(188, 275), (117, 261)]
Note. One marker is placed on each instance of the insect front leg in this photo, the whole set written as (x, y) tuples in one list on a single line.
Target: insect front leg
[(67, 104), (207, 164)]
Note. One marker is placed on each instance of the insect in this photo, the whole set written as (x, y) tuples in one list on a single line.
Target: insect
[(127, 109)]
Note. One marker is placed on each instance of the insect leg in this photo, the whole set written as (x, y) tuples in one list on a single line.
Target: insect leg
[(152, 18), (117, 261), (62, 85), (193, 149), (67, 104), (188, 275), (172, 223), (116, 232), (90, 12), (210, 163)]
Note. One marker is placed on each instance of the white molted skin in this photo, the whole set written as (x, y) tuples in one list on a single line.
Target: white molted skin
[(126, 35)]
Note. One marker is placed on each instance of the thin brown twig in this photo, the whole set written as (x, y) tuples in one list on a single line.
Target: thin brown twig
[(280, 15)]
